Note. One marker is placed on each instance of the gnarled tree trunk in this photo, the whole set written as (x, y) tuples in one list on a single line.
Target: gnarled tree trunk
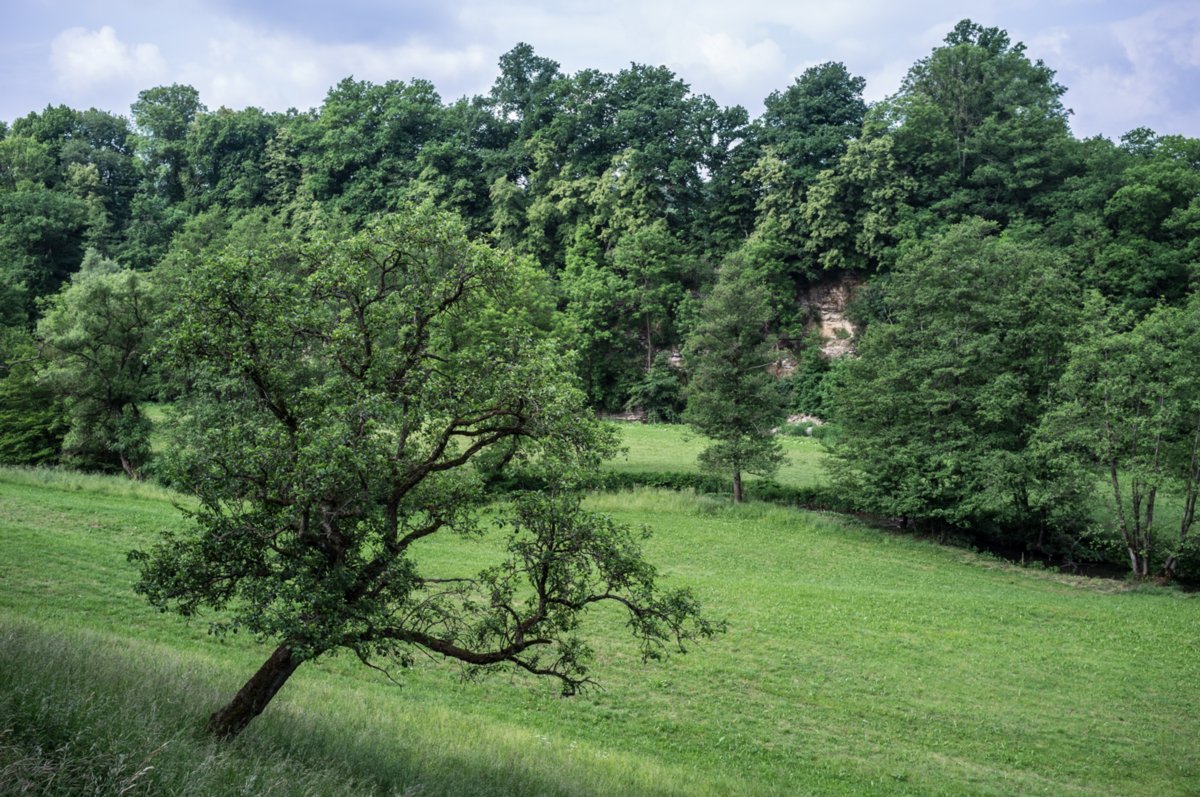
[(249, 702)]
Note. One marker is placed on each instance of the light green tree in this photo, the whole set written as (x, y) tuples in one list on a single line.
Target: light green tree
[(1129, 406), (95, 335)]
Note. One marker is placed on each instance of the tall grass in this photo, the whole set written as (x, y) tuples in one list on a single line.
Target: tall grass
[(111, 717)]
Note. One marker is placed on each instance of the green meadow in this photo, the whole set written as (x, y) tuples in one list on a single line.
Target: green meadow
[(857, 662), (656, 448)]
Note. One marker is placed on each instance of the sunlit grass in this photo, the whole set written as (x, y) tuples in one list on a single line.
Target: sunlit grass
[(651, 448)]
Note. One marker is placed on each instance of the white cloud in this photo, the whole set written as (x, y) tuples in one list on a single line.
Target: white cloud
[(1131, 72), (83, 58), (734, 63), (243, 66), (1126, 64)]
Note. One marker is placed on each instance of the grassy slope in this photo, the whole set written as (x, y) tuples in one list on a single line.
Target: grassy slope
[(856, 663)]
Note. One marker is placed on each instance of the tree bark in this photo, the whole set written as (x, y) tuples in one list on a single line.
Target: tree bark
[(130, 471), (737, 486), (1168, 569), (250, 701)]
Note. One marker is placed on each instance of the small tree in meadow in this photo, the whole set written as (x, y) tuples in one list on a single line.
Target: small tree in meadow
[(95, 337), (1129, 405), (732, 397)]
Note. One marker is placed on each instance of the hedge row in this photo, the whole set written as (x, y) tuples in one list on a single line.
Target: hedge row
[(811, 497)]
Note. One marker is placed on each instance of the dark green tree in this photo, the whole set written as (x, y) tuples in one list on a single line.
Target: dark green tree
[(594, 324), (362, 152), (32, 424), (226, 154), (804, 130), (659, 394), (950, 382), (732, 395), (163, 116), (338, 411), (91, 154), (976, 130), (1151, 224), (42, 235)]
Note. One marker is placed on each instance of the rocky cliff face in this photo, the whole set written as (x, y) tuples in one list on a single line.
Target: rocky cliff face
[(827, 303)]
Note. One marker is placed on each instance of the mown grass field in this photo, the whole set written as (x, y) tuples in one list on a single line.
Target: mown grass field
[(662, 447), (856, 662)]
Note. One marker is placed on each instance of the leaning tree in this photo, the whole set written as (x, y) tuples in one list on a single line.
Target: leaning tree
[(338, 413)]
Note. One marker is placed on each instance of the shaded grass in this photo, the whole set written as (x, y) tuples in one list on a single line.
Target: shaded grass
[(856, 663), (119, 717)]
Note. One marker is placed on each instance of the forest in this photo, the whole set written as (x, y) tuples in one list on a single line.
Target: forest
[(346, 378), (1023, 310), (1023, 316)]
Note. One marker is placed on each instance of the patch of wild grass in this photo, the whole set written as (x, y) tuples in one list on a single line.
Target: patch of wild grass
[(95, 484), (84, 715)]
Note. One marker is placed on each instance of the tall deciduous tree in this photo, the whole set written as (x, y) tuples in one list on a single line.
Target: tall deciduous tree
[(977, 129), (1129, 404), (96, 335), (163, 116), (41, 243), (31, 416), (338, 414), (732, 397)]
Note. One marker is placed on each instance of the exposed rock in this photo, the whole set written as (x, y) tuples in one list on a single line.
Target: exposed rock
[(813, 419), (827, 303), (784, 364)]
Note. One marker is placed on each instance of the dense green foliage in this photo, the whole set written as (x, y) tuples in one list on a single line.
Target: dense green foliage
[(1130, 401), (96, 335), (335, 413), (732, 396), (628, 190), (352, 369), (32, 425), (626, 187), (938, 409)]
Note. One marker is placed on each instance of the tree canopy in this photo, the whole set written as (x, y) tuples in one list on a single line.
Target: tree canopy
[(732, 397), (938, 409)]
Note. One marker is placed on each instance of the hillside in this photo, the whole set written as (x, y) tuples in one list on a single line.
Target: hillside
[(856, 662)]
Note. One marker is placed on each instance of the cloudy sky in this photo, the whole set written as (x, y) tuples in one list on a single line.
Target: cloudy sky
[(1126, 64)]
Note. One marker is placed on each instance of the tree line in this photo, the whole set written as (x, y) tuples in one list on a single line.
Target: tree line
[(1023, 326)]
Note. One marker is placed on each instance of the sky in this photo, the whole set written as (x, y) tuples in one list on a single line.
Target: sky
[(1125, 64)]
